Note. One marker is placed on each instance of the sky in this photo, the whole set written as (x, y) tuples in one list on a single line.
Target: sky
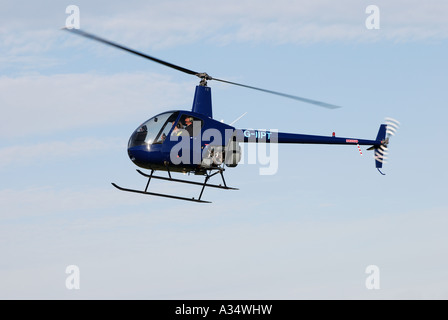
[(309, 231)]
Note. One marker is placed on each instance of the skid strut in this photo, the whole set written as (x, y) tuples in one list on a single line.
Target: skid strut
[(204, 184)]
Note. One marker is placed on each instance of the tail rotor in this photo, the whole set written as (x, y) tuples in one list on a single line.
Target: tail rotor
[(382, 151), (392, 127)]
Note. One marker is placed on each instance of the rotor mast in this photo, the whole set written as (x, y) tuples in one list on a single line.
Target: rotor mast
[(202, 102)]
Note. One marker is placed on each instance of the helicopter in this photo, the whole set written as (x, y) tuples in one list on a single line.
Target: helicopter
[(191, 141)]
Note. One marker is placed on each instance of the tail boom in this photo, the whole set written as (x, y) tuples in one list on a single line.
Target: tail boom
[(262, 136)]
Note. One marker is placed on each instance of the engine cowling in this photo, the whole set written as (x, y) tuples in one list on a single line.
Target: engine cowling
[(215, 156)]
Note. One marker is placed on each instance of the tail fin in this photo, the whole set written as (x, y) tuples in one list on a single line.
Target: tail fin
[(381, 133), (380, 147)]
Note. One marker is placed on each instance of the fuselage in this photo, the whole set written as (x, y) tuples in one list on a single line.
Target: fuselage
[(187, 141)]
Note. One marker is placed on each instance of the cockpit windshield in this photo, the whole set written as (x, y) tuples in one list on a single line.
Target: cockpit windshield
[(153, 131)]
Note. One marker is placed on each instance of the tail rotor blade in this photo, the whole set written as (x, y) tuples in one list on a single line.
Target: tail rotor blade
[(392, 126)]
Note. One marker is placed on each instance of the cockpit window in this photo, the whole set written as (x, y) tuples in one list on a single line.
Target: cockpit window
[(154, 130), (188, 125), (165, 130)]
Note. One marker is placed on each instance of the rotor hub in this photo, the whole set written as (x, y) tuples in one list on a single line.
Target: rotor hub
[(204, 77)]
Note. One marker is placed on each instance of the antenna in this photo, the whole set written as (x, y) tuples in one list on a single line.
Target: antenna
[(234, 121)]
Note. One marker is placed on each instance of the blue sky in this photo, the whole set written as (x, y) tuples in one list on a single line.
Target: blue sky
[(69, 106)]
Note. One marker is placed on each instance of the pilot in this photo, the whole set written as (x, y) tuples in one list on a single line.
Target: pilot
[(189, 125), (177, 129)]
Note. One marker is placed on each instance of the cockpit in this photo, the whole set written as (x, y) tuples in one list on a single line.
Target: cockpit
[(153, 131)]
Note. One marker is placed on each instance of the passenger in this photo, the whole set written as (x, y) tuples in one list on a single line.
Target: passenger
[(189, 125)]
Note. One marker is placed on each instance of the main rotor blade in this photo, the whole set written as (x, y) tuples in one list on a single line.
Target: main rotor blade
[(315, 102), (143, 55), (202, 75)]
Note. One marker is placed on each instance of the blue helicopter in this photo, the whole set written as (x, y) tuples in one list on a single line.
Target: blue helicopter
[(191, 141)]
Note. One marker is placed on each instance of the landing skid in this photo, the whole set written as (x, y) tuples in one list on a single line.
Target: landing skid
[(204, 184)]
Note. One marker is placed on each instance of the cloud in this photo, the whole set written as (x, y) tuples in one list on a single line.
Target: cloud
[(153, 254), (167, 24), (151, 24), (47, 200), (40, 104), (55, 150)]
